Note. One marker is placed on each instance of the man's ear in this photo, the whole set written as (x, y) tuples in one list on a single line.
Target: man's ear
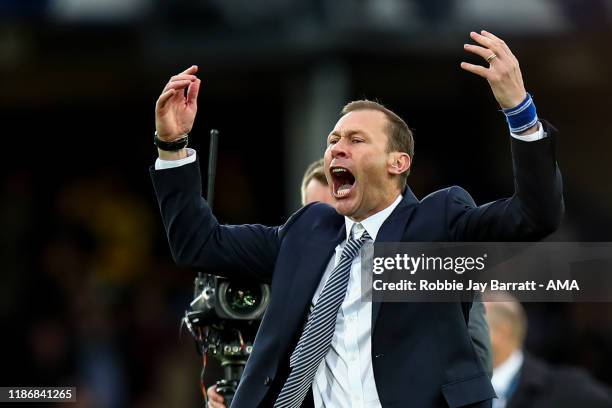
[(399, 163)]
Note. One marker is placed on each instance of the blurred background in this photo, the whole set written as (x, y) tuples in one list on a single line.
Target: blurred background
[(89, 294)]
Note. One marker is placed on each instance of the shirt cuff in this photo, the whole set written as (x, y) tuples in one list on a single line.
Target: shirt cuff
[(532, 137), (169, 164)]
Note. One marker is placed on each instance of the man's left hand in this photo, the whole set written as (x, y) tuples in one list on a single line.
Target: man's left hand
[(503, 74)]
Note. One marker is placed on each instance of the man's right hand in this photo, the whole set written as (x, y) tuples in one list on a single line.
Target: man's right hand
[(215, 400), (175, 111)]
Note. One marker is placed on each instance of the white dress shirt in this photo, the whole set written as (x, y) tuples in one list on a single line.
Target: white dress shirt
[(345, 377), (503, 376)]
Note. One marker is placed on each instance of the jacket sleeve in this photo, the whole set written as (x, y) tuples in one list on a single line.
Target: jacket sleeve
[(196, 238), (479, 333), (534, 210)]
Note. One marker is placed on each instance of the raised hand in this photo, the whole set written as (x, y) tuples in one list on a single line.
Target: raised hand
[(503, 74), (176, 107)]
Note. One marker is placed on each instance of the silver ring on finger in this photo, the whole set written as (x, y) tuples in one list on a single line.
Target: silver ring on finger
[(491, 58)]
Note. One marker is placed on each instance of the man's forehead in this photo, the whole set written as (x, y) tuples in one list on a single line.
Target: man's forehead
[(361, 119)]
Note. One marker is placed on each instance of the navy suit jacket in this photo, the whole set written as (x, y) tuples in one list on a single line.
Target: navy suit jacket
[(422, 355)]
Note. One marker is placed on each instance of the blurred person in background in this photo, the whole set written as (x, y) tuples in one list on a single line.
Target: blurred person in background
[(314, 185), (522, 380), (390, 354), (315, 188)]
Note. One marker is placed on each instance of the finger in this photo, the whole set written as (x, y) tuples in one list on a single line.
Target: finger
[(214, 395), (486, 42), (183, 77), (501, 43), (490, 35), (191, 70), (192, 92), (475, 69), (481, 51), (163, 98), (177, 85), (503, 46)]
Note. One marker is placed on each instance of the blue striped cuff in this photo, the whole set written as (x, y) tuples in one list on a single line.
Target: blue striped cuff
[(523, 116)]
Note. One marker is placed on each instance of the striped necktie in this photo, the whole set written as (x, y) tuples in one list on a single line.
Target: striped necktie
[(318, 332)]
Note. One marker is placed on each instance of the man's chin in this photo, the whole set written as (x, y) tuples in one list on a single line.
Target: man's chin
[(344, 207)]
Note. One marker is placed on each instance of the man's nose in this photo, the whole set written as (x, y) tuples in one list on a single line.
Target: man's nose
[(339, 149)]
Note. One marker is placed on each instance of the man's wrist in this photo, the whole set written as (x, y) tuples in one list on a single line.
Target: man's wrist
[(522, 117), (176, 155), (513, 102), (531, 135), (170, 160), (529, 131)]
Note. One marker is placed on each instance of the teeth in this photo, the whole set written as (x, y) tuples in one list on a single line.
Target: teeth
[(343, 190), (338, 170)]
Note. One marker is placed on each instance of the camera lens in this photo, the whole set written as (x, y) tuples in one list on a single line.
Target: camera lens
[(243, 299)]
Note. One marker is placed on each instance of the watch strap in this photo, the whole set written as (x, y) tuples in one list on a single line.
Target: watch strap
[(172, 146)]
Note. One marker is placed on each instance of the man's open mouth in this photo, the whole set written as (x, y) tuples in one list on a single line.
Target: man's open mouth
[(343, 181)]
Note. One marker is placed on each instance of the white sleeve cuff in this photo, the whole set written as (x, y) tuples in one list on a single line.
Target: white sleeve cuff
[(532, 137), (169, 164)]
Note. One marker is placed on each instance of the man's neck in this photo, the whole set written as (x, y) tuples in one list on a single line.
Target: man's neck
[(381, 206), (374, 222)]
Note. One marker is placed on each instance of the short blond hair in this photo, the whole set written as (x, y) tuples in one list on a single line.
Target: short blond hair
[(504, 308), (314, 171)]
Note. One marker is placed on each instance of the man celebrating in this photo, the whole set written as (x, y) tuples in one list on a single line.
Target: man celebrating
[(315, 188), (318, 343)]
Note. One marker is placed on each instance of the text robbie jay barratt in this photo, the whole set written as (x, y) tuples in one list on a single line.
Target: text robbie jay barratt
[(494, 284)]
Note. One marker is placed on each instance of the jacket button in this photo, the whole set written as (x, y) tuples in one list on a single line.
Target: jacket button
[(267, 381)]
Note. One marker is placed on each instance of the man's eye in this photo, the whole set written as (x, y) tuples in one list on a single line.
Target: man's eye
[(333, 141), (357, 141)]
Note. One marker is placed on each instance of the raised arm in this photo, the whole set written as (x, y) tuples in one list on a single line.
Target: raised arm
[(175, 111), (503, 73), (195, 237), (536, 207)]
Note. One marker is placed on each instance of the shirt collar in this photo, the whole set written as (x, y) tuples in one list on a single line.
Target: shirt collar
[(373, 223), (506, 371)]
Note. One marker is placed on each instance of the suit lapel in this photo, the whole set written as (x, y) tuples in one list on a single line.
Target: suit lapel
[(392, 230), (315, 255)]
